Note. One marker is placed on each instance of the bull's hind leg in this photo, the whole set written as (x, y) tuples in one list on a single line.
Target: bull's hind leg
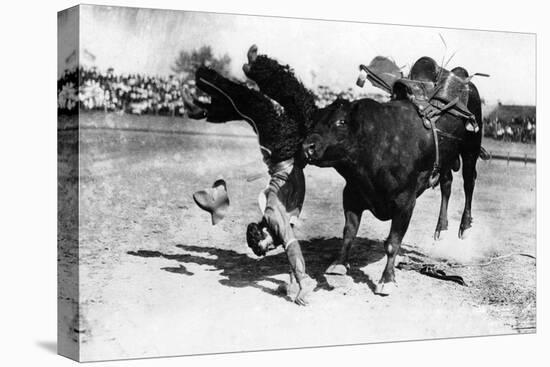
[(469, 175), (399, 224), (352, 212), (445, 183)]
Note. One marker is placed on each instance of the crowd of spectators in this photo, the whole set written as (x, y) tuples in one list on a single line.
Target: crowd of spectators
[(132, 93), (518, 130), (141, 94)]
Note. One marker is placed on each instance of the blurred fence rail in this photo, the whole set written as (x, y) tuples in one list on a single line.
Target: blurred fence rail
[(513, 158)]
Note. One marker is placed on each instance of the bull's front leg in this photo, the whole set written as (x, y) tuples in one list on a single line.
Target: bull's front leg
[(399, 224), (352, 212)]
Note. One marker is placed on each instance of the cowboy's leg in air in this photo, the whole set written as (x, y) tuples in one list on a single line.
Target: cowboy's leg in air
[(279, 83)]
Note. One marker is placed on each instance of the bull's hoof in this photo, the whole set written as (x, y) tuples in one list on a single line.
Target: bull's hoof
[(441, 227), (385, 289), (337, 269), (465, 224), (463, 233), (439, 234)]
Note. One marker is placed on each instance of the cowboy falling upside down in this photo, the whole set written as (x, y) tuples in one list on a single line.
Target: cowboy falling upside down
[(280, 135)]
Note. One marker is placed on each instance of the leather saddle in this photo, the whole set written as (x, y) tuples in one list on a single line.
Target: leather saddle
[(430, 87)]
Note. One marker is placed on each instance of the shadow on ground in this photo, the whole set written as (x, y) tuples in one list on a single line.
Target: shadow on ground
[(241, 270)]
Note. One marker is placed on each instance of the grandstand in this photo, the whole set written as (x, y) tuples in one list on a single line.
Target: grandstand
[(159, 95)]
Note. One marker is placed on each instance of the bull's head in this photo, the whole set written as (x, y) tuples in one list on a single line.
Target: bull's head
[(330, 141)]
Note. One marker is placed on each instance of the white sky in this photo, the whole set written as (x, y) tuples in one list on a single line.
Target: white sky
[(148, 41)]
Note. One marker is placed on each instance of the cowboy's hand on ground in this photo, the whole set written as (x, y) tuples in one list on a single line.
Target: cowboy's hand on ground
[(290, 289), (307, 285)]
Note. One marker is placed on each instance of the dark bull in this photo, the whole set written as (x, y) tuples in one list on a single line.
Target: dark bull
[(386, 155)]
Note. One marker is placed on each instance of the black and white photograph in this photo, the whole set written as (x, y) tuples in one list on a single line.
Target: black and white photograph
[(232, 183)]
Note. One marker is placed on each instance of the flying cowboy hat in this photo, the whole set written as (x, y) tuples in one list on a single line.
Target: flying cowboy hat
[(214, 200)]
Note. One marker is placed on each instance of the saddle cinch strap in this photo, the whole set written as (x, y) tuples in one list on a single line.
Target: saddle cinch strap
[(430, 115)]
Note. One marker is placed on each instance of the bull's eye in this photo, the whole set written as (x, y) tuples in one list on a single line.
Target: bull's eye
[(339, 123)]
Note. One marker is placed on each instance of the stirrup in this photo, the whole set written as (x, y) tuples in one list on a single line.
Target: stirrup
[(434, 177), (472, 126)]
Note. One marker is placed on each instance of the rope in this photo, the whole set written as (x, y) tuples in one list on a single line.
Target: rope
[(435, 271), (245, 117), (419, 264), (490, 261)]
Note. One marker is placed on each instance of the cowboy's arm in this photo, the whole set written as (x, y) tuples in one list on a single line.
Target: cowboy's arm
[(278, 223)]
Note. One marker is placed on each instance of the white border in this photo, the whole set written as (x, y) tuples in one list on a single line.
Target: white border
[(28, 184)]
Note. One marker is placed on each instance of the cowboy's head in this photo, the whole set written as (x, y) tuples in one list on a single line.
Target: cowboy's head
[(259, 238)]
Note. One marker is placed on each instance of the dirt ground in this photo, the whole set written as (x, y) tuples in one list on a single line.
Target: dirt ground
[(156, 278)]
